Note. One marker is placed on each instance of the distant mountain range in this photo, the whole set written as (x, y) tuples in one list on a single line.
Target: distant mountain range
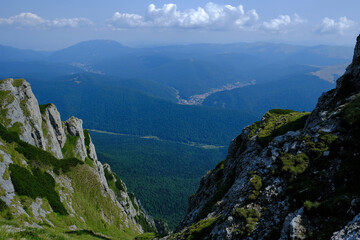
[(191, 69)]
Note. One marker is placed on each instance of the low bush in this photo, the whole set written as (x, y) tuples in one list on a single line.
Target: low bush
[(201, 229), (308, 205), (43, 107), (294, 164), (350, 115), (36, 184), (250, 216), (147, 236), (256, 184), (278, 122), (140, 219)]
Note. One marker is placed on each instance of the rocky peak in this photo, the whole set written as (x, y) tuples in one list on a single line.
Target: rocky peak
[(75, 129), (291, 175), (346, 86), (91, 193), (20, 106)]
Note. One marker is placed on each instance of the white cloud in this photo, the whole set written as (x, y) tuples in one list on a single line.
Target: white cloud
[(282, 22), (70, 22), (31, 20), (329, 25), (212, 16)]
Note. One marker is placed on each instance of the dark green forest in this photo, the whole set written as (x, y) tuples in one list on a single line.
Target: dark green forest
[(162, 174)]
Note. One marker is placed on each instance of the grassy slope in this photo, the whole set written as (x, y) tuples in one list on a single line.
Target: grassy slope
[(87, 199)]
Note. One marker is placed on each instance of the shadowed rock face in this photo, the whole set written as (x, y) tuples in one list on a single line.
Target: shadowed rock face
[(287, 177)]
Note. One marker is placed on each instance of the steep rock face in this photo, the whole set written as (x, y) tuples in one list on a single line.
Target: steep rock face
[(53, 131), (289, 176), (19, 105), (128, 202), (78, 187)]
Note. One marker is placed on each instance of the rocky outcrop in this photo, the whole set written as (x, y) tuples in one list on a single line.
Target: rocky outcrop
[(291, 175), (127, 201), (350, 231), (19, 105), (91, 193), (53, 131), (75, 129)]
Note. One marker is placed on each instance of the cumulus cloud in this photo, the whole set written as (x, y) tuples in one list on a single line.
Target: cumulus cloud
[(31, 20), (282, 22), (212, 16), (329, 25)]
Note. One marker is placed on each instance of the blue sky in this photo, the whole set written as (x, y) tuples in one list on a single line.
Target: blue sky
[(53, 24)]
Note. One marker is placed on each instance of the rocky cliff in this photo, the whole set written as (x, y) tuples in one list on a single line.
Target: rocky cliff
[(292, 175), (51, 182)]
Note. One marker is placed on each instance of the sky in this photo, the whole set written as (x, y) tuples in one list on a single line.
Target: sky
[(54, 24)]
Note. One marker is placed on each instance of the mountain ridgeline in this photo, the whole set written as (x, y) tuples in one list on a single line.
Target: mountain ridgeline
[(51, 182), (291, 175)]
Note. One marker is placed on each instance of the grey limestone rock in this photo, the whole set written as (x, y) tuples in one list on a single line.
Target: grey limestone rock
[(350, 232), (24, 109), (75, 129), (6, 184)]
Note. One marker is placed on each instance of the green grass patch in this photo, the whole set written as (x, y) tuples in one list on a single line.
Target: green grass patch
[(309, 205), (87, 141), (250, 217), (147, 236), (140, 219), (201, 229), (256, 184), (36, 184), (315, 150), (294, 164), (85, 232), (87, 137), (5, 98), (16, 127), (89, 162), (92, 205), (133, 201), (5, 211), (24, 108), (350, 114), (3, 206), (278, 122), (65, 165), (43, 107), (70, 145), (18, 82), (253, 127), (116, 184)]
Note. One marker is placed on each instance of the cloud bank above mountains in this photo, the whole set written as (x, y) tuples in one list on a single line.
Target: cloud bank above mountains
[(44, 25), (32, 20), (210, 17)]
